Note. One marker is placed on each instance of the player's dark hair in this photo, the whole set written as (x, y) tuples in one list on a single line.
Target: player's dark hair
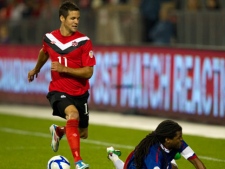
[(67, 6), (166, 129)]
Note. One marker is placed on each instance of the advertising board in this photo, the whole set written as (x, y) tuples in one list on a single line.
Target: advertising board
[(157, 81)]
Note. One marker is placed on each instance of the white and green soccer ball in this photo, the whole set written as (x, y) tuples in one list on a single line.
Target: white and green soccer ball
[(58, 162)]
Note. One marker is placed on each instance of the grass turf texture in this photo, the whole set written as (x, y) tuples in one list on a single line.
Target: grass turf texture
[(25, 144)]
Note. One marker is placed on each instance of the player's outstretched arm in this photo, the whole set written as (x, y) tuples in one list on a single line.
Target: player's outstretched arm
[(42, 58), (197, 163)]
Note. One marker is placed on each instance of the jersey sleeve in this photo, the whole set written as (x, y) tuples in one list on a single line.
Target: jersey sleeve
[(186, 151), (88, 58), (44, 45)]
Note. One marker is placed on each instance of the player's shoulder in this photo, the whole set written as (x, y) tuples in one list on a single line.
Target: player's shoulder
[(54, 33), (183, 146), (80, 35), (183, 142)]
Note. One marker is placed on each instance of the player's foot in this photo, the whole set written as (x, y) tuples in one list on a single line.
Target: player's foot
[(113, 154), (81, 165), (111, 150), (55, 138)]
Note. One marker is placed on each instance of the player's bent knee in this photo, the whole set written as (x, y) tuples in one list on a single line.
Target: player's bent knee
[(72, 116)]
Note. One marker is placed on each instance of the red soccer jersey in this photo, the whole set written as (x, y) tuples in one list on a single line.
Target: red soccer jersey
[(73, 51)]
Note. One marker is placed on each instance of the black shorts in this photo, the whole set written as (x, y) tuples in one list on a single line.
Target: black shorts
[(59, 101)]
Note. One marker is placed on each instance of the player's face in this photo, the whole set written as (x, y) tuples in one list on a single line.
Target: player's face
[(71, 21), (175, 143)]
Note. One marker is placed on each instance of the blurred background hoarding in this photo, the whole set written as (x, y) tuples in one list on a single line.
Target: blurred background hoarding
[(159, 81)]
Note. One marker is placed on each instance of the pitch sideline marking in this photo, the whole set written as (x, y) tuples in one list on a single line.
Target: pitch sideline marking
[(38, 134)]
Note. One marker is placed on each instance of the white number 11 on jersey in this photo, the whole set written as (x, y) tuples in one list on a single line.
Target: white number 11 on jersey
[(60, 60)]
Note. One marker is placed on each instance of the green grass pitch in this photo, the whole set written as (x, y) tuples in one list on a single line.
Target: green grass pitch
[(25, 144)]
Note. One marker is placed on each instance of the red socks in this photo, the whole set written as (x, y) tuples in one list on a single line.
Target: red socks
[(73, 138)]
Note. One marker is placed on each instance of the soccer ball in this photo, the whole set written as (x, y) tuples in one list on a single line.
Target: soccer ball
[(58, 162)]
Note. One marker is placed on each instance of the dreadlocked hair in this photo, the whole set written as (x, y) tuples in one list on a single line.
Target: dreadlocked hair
[(166, 129)]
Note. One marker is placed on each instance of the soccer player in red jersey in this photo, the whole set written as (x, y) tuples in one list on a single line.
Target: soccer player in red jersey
[(72, 63)]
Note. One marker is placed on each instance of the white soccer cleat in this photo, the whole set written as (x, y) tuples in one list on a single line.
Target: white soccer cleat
[(112, 150), (55, 138), (113, 154), (81, 165)]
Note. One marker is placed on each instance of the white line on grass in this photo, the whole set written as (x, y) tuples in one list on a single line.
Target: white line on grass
[(22, 132), (38, 134), (212, 159)]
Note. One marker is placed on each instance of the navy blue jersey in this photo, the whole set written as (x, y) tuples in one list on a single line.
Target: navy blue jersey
[(159, 157)]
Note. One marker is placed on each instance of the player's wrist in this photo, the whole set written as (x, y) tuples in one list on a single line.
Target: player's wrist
[(64, 70), (36, 70)]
